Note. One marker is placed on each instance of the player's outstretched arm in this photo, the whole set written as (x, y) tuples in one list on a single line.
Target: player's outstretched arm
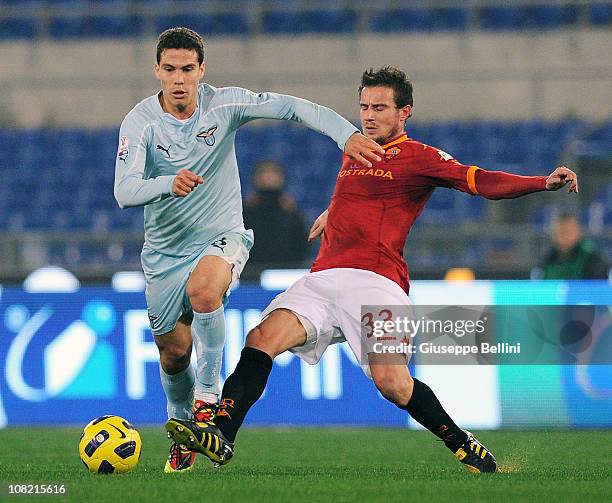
[(318, 227), (249, 106), (502, 185), (442, 170)]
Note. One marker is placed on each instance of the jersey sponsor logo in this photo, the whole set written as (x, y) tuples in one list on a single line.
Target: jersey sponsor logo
[(381, 173), (392, 152), (444, 156), (124, 148), (167, 150), (208, 135)]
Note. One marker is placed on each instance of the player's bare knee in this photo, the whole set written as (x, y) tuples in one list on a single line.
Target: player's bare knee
[(204, 300), (256, 338), (395, 388), (264, 340)]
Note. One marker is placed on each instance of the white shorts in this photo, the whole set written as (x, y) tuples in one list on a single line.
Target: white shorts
[(329, 306), (167, 277)]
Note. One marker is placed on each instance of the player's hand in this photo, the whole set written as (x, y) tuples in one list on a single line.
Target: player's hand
[(560, 177), (185, 182), (363, 150), (318, 227)]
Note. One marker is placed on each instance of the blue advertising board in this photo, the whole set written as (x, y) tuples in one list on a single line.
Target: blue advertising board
[(66, 358)]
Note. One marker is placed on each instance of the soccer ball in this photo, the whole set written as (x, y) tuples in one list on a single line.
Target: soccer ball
[(110, 444)]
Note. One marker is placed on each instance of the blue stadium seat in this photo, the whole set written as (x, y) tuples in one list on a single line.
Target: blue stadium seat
[(207, 24), (116, 26), (441, 208), (402, 20), (501, 17), (386, 17), (602, 135), (67, 27), (198, 22), (310, 160), (231, 23), (445, 136), (550, 16), (600, 14), (276, 23), (451, 18), (18, 27), (328, 21)]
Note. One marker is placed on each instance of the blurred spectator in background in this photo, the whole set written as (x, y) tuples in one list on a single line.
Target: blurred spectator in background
[(572, 256), (280, 233)]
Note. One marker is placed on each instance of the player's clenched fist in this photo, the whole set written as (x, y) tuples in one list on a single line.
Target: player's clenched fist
[(185, 182), (560, 177), (363, 150)]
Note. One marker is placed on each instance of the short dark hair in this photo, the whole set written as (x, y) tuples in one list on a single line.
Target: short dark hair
[(180, 38), (389, 76)]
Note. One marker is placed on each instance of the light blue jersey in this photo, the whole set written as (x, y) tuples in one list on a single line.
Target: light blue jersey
[(154, 146)]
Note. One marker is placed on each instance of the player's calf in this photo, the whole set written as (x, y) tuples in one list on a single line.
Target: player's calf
[(392, 379), (425, 408), (279, 331)]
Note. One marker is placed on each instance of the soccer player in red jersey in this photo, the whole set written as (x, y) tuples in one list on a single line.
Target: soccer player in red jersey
[(361, 263)]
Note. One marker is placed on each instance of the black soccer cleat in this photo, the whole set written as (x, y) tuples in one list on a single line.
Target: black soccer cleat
[(201, 437), (475, 456)]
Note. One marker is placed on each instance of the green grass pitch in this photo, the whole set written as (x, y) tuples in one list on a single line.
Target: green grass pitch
[(324, 464)]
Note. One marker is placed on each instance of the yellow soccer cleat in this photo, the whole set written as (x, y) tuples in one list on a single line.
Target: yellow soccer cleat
[(475, 456), (201, 437)]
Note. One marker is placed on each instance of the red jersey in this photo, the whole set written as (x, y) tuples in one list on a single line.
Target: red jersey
[(372, 210)]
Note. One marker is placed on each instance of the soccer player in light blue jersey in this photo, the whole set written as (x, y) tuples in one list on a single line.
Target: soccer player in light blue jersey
[(176, 158)]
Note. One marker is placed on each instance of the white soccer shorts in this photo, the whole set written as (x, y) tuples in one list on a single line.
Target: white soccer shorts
[(328, 304)]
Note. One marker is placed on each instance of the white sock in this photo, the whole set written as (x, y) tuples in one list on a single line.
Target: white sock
[(208, 332), (179, 392)]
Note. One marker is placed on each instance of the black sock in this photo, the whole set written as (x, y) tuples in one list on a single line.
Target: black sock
[(242, 389), (425, 408)]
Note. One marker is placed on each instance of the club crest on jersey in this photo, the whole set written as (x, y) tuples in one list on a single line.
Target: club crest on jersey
[(124, 148), (392, 152), (208, 135)]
